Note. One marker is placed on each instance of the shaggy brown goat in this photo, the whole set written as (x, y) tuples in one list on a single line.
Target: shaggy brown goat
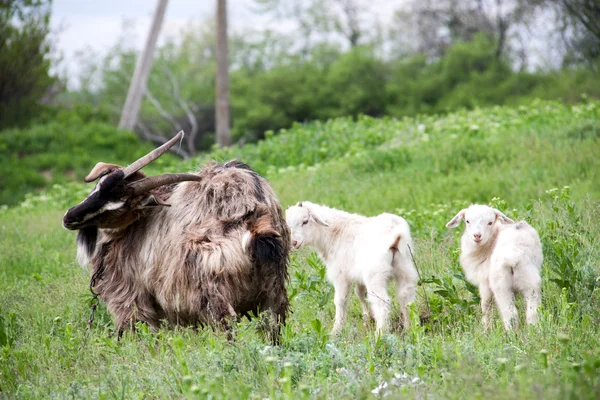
[(188, 249)]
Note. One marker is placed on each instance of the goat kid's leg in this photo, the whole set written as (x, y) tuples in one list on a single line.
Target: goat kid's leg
[(380, 303), (341, 301), (406, 292), (532, 301), (485, 293), (361, 293), (504, 297)]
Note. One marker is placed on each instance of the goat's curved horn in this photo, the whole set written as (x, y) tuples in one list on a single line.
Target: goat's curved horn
[(147, 184), (99, 170), (153, 155)]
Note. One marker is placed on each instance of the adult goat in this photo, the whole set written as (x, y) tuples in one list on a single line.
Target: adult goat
[(187, 249)]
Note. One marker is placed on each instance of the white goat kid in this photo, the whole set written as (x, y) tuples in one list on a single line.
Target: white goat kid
[(501, 257), (368, 252)]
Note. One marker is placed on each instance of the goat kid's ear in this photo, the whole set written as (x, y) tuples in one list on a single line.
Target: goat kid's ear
[(99, 170), (454, 222), (503, 217), (319, 220), (315, 217)]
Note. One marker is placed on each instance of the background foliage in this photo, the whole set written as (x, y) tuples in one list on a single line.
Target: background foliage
[(272, 91), (335, 62), (25, 48), (63, 146)]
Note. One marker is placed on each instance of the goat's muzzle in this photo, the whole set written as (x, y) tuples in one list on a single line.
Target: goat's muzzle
[(76, 217), (70, 222)]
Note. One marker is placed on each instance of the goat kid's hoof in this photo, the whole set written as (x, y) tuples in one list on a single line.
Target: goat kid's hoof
[(335, 332), (368, 320), (487, 325)]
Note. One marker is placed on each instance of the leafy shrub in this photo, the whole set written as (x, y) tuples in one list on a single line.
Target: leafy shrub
[(272, 88), (8, 327), (77, 114), (310, 144), (25, 61), (64, 151), (467, 138), (569, 244)]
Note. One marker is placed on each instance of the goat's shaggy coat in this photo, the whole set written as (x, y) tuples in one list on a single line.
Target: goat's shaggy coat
[(501, 257), (367, 252), (219, 250)]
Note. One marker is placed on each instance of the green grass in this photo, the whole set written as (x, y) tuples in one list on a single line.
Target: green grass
[(425, 169)]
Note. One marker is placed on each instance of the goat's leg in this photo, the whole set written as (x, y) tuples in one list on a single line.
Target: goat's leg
[(275, 304), (361, 292), (341, 301), (129, 310), (278, 306), (221, 311)]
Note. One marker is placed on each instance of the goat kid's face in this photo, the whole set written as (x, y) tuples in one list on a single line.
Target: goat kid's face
[(480, 222), (303, 222), (121, 192)]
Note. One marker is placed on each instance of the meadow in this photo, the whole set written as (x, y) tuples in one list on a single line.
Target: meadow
[(539, 162)]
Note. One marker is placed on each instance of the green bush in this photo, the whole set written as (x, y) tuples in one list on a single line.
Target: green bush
[(25, 61), (468, 138), (270, 92), (62, 151)]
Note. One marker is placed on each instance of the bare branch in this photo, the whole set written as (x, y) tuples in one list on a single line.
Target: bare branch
[(191, 137), (161, 110), (159, 139), (585, 13)]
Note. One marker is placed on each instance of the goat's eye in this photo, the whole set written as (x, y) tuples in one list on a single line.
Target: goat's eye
[(305, 222), (490, 223)]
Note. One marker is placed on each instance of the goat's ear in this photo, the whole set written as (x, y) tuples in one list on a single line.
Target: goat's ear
[(154, 201), (99, 170), (454, 222), (503, 217)]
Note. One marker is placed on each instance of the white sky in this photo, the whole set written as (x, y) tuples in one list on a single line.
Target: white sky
[(97, 24)]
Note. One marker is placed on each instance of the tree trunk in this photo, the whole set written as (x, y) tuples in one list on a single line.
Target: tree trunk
[(222, 89), (131, 109), (502, 28)]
